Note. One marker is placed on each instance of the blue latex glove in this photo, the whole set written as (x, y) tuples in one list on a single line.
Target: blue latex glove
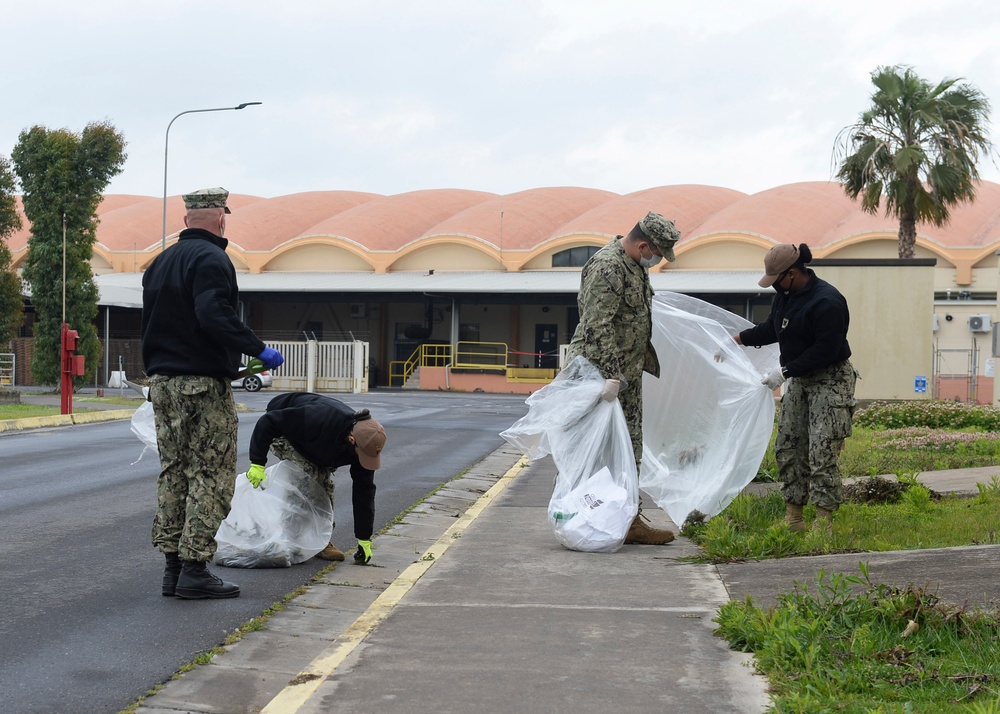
[(256, 474), (271, 358), (364, 552)]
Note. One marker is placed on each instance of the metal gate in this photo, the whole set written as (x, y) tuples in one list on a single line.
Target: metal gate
[(315, 366), (7, 372), (955, 374)]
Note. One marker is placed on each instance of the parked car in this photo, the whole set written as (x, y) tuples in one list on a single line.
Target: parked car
[(253, 382)]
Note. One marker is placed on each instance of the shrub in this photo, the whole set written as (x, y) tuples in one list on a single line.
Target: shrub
[(933, 415)]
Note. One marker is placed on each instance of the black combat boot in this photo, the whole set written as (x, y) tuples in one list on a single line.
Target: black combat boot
[(196, 582), (170, 574)]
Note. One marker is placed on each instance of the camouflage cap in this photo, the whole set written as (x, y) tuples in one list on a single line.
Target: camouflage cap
[(207, 198), (661, 232)]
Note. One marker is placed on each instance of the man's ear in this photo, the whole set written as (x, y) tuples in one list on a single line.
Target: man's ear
[(186, 222)]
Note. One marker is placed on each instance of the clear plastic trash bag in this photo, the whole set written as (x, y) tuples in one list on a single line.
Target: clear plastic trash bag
[(707, 421), (286, 521), (595, 497), (144, 427)]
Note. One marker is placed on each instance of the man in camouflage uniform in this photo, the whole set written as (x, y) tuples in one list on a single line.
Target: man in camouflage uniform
[(616, 327), (809, 320), (192, 344)]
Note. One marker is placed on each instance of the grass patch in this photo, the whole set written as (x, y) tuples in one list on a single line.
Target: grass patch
[(752, 527), (878, 650), (125, 401), (909, 437), (24, 411)]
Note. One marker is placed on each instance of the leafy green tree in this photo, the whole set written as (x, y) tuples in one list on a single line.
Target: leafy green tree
[(11, 301), (917, 146), (63, 176)]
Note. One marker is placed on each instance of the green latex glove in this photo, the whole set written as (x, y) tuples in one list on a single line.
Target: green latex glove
[(364, 552), (255, 366), (256, 474)]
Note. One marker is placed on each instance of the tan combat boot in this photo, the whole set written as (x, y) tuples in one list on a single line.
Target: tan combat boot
[(331, 552), (793, 517), (824, 521), (643, 534)]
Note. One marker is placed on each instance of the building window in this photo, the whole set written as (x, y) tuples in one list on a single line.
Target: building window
[(573, 257)]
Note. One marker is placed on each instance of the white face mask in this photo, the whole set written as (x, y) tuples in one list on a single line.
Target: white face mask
[(651, 261)]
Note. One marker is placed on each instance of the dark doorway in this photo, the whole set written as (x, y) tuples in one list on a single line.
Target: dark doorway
[(547, 346)]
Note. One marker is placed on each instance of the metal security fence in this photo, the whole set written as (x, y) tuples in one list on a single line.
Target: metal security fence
[(8, 372), (315, 366)]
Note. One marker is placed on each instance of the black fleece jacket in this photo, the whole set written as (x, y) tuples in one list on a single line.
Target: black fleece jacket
[(317, 427), (190, 323), (810, 327)]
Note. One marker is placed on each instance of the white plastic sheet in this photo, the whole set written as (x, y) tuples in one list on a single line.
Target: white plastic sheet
[(286, 522), (595, 497), (144, 427), (706, 422)]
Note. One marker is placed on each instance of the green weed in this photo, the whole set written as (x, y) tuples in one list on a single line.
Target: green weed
[(851, 645)]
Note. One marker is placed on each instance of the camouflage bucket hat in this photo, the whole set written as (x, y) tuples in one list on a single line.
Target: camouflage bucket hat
[(207, 198), (661, 232)]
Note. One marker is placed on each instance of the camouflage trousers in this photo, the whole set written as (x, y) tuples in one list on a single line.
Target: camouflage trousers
[(196, 428), (630, 397), (816, 415), (323, 476)]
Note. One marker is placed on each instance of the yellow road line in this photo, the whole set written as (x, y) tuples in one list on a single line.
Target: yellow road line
[(301, 688)]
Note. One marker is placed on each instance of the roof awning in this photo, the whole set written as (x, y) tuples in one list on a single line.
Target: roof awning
[(125, 289)]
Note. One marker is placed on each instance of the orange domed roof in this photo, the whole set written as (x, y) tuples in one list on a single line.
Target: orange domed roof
[(970, 225), (273, 221), (795, 213), (390, 222), (686, 205), (520, 221)]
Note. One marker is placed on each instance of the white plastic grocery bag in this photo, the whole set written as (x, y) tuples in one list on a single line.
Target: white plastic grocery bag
[(287, 521), (144, 427), (595, 516), (596, 494)]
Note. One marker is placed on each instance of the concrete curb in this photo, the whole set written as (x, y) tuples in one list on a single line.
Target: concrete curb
[(65, 419)]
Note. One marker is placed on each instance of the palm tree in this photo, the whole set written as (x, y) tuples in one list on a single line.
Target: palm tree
[(918, 146)]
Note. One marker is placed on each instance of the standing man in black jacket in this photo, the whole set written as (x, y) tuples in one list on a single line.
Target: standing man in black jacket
[(318, 434), (192, 344)]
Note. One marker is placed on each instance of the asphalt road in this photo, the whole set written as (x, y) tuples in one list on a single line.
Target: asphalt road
[(83, 627)]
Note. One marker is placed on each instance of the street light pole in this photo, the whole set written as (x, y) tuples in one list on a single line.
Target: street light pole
[(166, 146)]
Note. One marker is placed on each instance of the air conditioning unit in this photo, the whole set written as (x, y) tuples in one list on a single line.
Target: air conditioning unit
[(359, 310), (980, 323)]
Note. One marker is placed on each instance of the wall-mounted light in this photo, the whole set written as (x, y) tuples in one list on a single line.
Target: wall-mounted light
[(545, 309), (949, 318)]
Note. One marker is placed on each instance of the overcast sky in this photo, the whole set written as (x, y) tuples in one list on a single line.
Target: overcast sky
[(494, 95)]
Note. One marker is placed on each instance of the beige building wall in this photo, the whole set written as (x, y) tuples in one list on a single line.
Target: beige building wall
[(727, 255), (447, 256), (891, 333)]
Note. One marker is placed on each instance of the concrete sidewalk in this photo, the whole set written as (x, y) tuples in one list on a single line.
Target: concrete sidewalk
[(473, 606)]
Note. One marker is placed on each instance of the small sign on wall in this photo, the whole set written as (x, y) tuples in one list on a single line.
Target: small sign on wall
[(990, 367), (920, 385)]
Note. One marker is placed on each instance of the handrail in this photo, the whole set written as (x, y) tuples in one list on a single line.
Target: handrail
[(425, 355), (481, 355)]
